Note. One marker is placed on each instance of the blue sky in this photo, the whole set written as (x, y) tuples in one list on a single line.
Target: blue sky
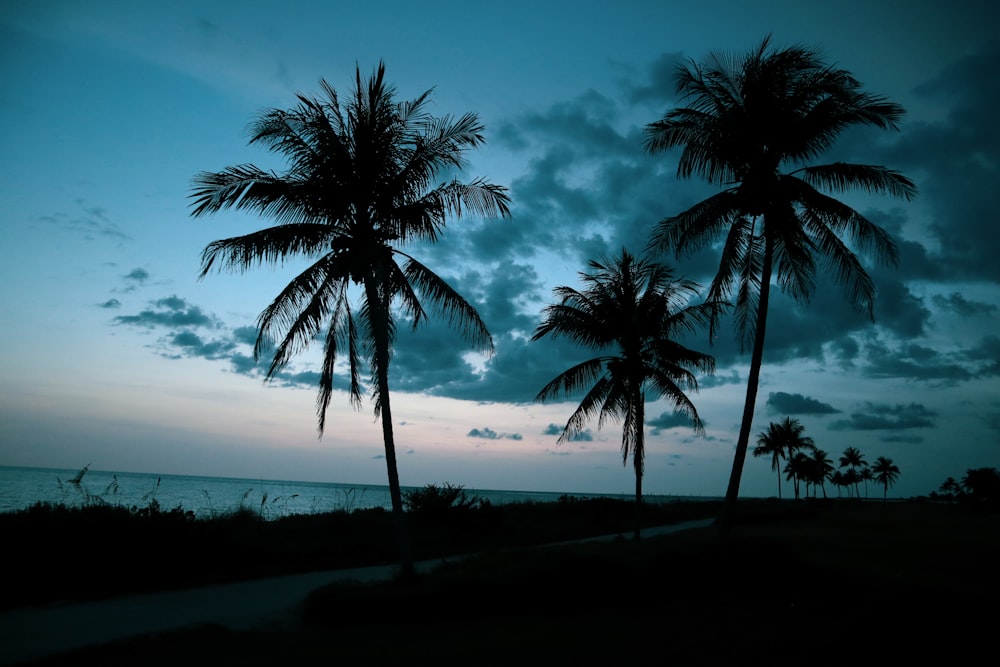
[(115, 354)]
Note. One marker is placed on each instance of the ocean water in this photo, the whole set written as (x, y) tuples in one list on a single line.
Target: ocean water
[(211, 496)]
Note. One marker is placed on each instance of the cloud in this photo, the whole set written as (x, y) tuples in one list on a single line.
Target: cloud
[(138, 275), (962, 307), (170, 311), (490, 434), (585, 435), (668, 420), (796, 404), (955, 161), (111, 303), (880, 416)]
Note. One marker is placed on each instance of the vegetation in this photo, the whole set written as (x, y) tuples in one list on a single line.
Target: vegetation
[(780, 441), (785, 440), (978, 485), (101, 550), (751, 124), (630, 313), (915, 560), (358, 189)]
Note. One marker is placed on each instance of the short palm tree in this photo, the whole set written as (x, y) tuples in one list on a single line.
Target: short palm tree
[(885, 472), (854, 461), (822, 468), (780, 441), (951, 488), (752, 124), (798, 470), (630, 312), (361, 185)]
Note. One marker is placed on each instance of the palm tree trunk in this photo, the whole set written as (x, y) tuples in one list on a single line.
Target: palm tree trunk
[(753, 379), (380, 333), (638, 461)]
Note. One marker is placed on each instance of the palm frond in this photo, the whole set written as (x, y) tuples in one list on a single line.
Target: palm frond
[(461, 314), (267, 246)]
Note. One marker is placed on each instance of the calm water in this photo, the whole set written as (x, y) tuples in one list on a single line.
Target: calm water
[(209, 496)]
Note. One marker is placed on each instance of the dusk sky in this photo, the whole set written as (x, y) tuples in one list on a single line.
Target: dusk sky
[(114, 354)]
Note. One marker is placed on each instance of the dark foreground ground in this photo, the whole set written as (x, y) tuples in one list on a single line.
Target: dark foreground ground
[(840, 582)]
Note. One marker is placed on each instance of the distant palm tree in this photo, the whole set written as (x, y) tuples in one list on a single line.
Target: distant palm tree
[(630, 312), (798, 470), (780, 441), (950, 487), (885, 473), (822, 468), (751, 124), (359, 187), (854, 461), (866, 475), (839, 480)]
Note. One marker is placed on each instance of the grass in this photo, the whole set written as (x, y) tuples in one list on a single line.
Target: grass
[(811, 583)]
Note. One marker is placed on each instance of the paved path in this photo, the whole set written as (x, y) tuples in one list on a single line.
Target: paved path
[(38, 632)]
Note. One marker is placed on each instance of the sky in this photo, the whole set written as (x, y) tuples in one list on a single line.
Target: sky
[(114, 354)]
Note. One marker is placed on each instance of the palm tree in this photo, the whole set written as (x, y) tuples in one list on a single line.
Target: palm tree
[(630, 312), (359, 187), (885, 473), (822, 468), (781, 440), (798, 470), (854, 461), (751, 124), (951, 488)]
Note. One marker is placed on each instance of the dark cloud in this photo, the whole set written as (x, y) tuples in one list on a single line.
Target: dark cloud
[(779, 402), (111, 303), (913, 361), (137, 275), (962, 307), (170, 311), (668, 420), (583, 436), (490, 434), (881, 416), (956, 161)]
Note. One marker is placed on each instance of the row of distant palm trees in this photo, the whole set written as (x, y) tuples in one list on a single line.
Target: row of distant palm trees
[(806, 465), (364, 183)]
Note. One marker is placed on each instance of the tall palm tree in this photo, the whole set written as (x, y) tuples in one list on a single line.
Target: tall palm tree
[(781, 440), (854, 461), (360, 186), (885, 473), (751, 124), (630, 313)]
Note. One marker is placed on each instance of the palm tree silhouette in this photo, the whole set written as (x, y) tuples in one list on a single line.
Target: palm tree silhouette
[(886, 473), (630, 312), (358, 189), (854, 461), (822, 468), (798, 470), (751, 124), (781, 440)]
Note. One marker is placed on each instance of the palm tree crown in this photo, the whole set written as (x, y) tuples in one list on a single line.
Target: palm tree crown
[(358, 188), (631, 312), (752, 124)]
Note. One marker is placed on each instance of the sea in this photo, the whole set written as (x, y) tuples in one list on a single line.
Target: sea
[(213, 496)]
